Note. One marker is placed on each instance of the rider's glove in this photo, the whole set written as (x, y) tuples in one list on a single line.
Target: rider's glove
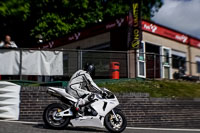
[(104, 93)]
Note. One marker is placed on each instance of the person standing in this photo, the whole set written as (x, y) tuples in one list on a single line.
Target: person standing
[(8, 43)]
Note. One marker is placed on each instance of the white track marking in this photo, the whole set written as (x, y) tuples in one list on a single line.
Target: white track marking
[(164, 129)]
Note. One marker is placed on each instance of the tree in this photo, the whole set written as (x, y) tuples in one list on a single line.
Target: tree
[(27, 20), (149, 7)]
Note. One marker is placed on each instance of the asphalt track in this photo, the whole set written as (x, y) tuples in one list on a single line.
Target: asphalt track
[(24, 127)]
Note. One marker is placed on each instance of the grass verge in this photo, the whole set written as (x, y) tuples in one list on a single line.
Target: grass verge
[(163, 88)]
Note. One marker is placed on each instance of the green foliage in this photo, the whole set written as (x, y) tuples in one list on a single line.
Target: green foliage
[(15, 8), (149, 7), (54, 18), (49, 25)]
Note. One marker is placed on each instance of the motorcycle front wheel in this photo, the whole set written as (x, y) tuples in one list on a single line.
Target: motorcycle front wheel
[(50, 118), (113, 125)]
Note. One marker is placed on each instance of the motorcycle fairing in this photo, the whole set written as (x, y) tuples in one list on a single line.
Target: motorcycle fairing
[(91, 121), (62, 92)]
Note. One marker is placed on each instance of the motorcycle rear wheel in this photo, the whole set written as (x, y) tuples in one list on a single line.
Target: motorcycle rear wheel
[(115, 126), (51, 120)]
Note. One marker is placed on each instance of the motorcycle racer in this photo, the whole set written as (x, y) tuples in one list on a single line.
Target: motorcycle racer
[(79, 83)]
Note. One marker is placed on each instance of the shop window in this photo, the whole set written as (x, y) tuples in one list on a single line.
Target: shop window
[(198, 66), (178, 61), (166, 56), (141, 68), (141, 52)]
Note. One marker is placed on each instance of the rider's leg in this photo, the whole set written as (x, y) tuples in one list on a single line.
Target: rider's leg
[(80, 105), (82, 101), (79, 93)]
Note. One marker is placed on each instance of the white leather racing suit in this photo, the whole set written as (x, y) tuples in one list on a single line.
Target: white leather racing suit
[(77, 86)]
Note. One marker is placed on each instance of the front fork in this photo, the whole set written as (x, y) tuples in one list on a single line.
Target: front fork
[(115, 115)]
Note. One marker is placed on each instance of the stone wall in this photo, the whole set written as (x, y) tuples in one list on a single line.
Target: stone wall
[(139, 108)]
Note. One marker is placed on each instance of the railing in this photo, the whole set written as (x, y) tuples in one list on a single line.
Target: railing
[(48, 65), (30, 62)]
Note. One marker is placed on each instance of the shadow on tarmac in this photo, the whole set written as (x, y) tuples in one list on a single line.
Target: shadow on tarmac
[(86, 129)]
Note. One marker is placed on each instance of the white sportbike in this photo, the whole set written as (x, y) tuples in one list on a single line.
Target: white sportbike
[(99, 112)]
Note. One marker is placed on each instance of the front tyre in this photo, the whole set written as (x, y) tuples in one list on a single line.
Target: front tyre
[(51, 120), (112, 124)]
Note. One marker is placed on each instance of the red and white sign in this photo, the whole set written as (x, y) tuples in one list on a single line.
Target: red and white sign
[(195, 42), (150, 27)]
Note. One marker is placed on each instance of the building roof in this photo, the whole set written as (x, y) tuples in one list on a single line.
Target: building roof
[(105, 27)]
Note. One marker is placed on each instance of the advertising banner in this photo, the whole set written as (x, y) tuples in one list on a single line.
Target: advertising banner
[(134, 25), (156, 29), (195, 42)]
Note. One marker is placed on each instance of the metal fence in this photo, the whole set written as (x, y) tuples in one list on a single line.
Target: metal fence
[(74, 60)]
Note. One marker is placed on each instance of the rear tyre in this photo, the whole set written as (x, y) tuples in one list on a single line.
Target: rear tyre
[(112, 124), (51, 120)]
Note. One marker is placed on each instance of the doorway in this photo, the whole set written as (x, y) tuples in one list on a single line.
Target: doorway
[(153, 65), (166, 63)]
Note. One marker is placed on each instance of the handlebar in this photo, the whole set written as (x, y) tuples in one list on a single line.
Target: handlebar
[(107, 94)]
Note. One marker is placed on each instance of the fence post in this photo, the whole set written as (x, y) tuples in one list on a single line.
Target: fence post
[(127, 53), (154, 66), (20, 64), (79, 59)]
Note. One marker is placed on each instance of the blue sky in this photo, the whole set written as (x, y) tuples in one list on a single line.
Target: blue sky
[(181, 15)]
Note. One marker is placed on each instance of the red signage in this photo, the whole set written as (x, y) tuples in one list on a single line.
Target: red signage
[(195, 42), (150, 27)]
